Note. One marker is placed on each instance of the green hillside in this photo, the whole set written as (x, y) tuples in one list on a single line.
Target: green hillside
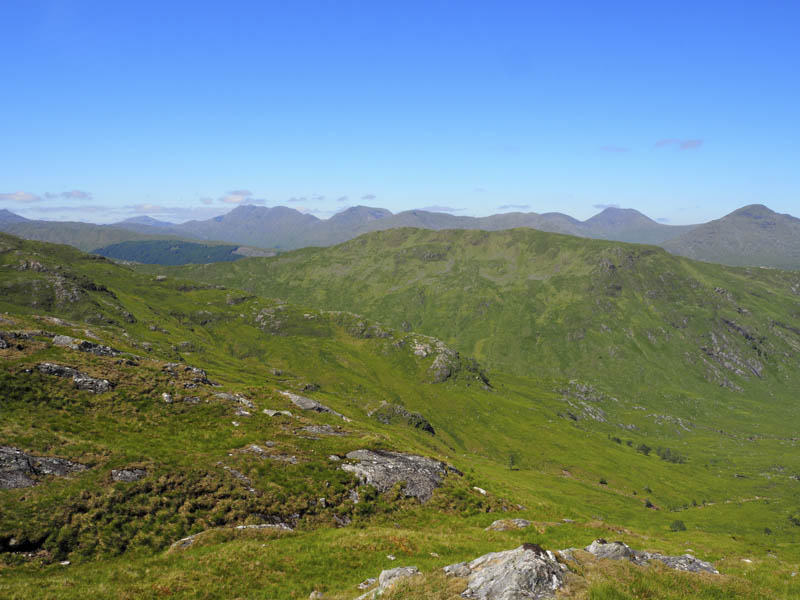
[(85, 236), (620, 445)]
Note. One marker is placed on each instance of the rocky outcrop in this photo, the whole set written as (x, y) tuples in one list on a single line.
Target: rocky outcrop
[(389, 579), (81, 380), (197, 374), (18, 469), (390, 414), (620, 550), (84, 346), (522, 573), (508, 525), (447, 363), (128, 475), (308, 404), (383, 469)]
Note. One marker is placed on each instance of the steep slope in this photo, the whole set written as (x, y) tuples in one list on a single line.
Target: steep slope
[(751, 236)]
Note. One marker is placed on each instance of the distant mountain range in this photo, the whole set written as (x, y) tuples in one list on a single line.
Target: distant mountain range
[(750, 236)]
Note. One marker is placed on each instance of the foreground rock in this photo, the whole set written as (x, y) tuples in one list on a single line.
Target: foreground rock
[(17, 468), (388, 579), (308, 404), (81, 380), (522, 573), (383, 469), (619, 551)]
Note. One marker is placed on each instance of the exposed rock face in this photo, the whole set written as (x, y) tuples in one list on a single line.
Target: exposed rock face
[(308, 404), (17, 468), (388, 414), (383, 469), (508, 525), (128, 475), (523, 573), (619, 550), (388, 579), (81, 380)]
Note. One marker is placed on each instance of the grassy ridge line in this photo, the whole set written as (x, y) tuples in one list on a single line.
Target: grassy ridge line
[(627, 317)]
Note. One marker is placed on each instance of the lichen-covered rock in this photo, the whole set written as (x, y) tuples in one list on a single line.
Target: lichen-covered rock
[(308, 404), (620, 550), (18, 469), (128, 475), (81, 380), (383, 469), (508, 525), (527, 572)]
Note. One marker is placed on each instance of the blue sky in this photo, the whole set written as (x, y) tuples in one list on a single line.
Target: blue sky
[(683, 110)]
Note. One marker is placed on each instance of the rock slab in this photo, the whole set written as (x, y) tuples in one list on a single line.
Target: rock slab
[(383, 469), (620, 550), (525, 573), (18, 468)]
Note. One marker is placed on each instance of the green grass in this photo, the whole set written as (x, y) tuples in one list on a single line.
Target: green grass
[(735, 482)]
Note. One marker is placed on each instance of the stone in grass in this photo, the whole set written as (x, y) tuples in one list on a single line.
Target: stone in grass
[(508, 525), (389, 579), (525, 572)]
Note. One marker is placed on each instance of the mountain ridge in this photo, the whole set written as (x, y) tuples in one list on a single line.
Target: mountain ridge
[(752, 235)]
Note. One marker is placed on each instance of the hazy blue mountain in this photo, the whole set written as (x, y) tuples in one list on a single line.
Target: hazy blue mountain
[(753, 235)]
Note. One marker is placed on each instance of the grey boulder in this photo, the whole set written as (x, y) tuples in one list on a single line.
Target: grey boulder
[(17, 468), (383, 469), (525, 573)]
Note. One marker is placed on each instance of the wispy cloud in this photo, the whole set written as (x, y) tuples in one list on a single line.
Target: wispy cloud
[(240, 197), (604, 206), (663, 220), (691, 144), (480, 190), (20, 197), (70, 195), (615, 149), (514, 207), (207, 200), (368, 197), (342, 199), (74, 208)]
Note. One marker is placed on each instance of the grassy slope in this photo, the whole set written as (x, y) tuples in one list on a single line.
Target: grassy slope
[(559, 461), (86, 236)]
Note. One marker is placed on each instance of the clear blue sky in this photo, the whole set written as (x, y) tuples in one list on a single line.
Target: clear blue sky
[(683, 110)]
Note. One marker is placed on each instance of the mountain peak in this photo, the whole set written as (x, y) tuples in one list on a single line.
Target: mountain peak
[(615, 217), (8, 217), (145, 220), (753, 211)]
